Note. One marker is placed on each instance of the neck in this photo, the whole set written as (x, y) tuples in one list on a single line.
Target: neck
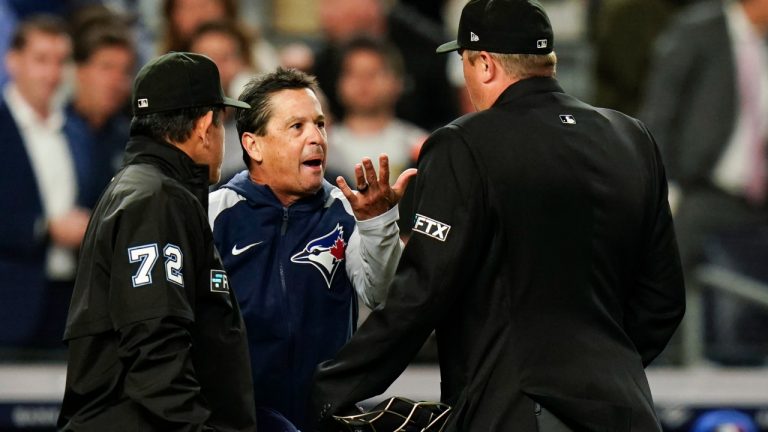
[(365, 123), (41, 109), (493, 92), (286, 200)]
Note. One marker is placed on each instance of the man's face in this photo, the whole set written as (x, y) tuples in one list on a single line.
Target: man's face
[(37, 68), (104, 80), (367, 85), (222, 49), (294, 147), (342, 19), (187, 15)]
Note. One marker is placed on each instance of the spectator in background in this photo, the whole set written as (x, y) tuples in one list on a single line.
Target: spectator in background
[(707, 105), (183, 17), (228, 44), (620, 73), (42, 225), (369, 85), (428, 99), (96, 123)]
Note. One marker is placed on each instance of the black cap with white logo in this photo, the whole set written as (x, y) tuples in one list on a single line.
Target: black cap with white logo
[(503, 26), (179, 80)]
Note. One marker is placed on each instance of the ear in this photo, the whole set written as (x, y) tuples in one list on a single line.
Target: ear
[(487, 67), (202, 127), (253, 145)]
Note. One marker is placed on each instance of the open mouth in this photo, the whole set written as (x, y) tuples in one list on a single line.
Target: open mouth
[(313, 162)]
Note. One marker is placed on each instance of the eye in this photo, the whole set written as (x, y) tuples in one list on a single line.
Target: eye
[(296, 126), (321, 124)]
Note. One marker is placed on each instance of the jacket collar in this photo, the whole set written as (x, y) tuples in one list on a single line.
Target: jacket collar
[(528, 87), (171, 161), (263, 195)]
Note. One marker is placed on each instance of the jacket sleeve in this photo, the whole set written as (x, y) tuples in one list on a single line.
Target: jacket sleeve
[(156, 255), (372, 255), (437, 263), (657, 305)]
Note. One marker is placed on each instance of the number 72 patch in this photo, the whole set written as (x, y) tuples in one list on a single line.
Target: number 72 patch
[(147, 254)]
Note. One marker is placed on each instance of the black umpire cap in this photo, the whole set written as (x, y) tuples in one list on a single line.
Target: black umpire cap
[(179, 80), (503, 26)]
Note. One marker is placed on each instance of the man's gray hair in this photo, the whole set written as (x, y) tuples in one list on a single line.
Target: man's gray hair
[(522, 66)]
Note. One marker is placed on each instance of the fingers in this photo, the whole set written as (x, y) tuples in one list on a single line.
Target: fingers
[(384, 169), (345, 189), (365, 174), (398, 189), (360, 177), (370, 173)]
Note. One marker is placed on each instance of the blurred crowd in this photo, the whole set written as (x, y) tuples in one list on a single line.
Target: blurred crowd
[(696, 71)]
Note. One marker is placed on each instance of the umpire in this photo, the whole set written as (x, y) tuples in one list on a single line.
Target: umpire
[(156, 340), (543, 252)]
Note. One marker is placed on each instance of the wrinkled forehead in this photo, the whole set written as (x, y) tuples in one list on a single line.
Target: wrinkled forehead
[(291, 103)]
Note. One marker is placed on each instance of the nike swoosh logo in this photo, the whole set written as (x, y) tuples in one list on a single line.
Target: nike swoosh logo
[(236, 251)]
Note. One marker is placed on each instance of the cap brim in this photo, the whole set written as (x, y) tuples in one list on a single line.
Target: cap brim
[(235, 103), (448, 47)]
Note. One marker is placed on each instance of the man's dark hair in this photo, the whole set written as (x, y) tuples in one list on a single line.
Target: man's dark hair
[(98, 27), (388, 52), (48, 24), (174, 125), (257, 94)]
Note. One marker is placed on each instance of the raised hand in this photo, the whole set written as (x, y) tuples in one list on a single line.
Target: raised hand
[(374, 195)]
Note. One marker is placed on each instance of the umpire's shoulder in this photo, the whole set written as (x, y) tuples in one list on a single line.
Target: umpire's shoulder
[(619, 120), (454, 133)]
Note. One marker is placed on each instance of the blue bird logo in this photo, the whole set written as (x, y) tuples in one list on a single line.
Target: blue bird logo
[(324, 253)]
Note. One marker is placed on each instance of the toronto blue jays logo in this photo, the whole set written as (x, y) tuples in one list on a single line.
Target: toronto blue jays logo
[(325, 253)]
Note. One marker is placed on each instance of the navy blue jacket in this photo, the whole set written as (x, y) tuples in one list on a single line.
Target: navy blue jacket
[(295, 271), (23, 239), (97, 154)]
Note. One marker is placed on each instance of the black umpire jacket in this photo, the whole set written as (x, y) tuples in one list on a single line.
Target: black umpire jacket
[(156, 339), (544, 256)]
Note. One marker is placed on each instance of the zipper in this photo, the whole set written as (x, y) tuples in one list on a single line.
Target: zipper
[(286, 302), (285, 221)]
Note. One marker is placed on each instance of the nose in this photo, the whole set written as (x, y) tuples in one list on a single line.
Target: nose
[(318, 135)]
